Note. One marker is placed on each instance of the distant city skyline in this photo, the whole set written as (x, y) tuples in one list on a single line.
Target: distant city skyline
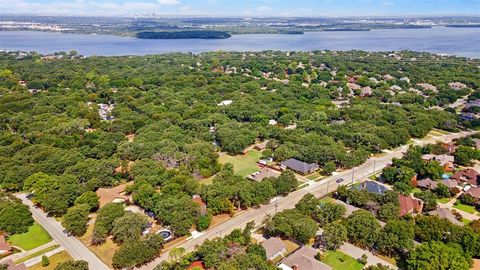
[(244, 8)]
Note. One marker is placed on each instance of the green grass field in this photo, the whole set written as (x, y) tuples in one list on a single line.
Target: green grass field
[(466, 208), (35, 237), (54, 261), (243, 165), (340, 261)]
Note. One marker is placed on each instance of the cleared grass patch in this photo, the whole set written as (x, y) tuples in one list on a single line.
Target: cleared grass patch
[(55, 260), (243, 165), (104, 251), (341, 261), (327, 200), (466, 221), (464, 207), (444, 200), (35, 237), (35, 254)]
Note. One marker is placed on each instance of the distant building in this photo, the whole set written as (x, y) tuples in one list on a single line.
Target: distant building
[(446, 161), (202, 206), (303, 259), (431, 184), (274, 247), (467, 176), (261, 146), (264, 172), (446, 214), (299, 166), (467, 116), (5, 247), (225, 102), (457, 85), (474, 192)]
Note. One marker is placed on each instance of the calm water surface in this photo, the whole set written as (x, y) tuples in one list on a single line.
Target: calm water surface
[(451, 41)]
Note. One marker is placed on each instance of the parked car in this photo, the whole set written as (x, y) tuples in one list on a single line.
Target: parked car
[(339, 180)]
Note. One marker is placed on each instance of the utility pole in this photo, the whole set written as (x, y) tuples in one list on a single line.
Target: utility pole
[(276, 204), (353, 174), (374, 165)]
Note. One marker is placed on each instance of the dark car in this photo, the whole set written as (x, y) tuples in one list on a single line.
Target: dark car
[(339, 180)]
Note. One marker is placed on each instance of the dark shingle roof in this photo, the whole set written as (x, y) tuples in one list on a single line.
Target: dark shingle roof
[(299, 166)]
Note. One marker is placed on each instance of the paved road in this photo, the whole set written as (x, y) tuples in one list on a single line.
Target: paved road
[(319, 189), (71, 244)]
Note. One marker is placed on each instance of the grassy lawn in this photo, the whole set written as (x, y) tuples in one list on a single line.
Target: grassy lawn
[(466, 221), (35, 254), (340, 261), (313, 176), (416, 190), (327, 200), (243, 165), (54, 261), (444, 200), (35, 237), (443, 132), (466, 208)]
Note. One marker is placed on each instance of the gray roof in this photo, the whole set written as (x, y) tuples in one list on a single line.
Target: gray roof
[(372, 186), (304, 259), (299, 166), (273, 245)]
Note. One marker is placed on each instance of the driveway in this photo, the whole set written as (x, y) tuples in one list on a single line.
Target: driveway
[(71, 244)]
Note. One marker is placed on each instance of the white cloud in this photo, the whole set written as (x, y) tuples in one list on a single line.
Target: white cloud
[(168, 2), (84, 7)]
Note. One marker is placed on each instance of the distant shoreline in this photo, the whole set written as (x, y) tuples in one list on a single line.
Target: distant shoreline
[(193, 34)]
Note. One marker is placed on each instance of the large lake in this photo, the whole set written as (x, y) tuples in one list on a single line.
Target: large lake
[(451, 41)]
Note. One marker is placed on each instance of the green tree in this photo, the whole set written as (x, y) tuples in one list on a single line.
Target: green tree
[(362, 227), (328, 213), (15, 217), (335, 235), (45, 261), (76, 218), (89, 198), (285, 183), (464, 155), (438, 256), (308, 204), (104, 223), (388, 211), (128, 227), (396, 236), (291, 223), (203, 222)]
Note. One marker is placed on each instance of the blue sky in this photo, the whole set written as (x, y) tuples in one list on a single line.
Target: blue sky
[(315, 8)]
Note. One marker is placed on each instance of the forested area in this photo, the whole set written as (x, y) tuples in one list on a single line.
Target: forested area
[(167, 119), (71, 126)]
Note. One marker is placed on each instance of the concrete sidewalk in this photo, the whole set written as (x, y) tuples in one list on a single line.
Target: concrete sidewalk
[(18, 256)]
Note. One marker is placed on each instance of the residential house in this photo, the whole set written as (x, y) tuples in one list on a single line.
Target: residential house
[(196, 265), (449, 147), (409, 205), (5, 247), (474, 192), (467, 116), (477, 143), (457, 85), (261, 146), (274, 247), (264, 172), (12, 266), (467, 176), (431, 184), (446, 214), (372, 186), (115, 194), (303, 259), (446, 161), (366, 91), (427, 183), (202, 206), (299, 166)]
